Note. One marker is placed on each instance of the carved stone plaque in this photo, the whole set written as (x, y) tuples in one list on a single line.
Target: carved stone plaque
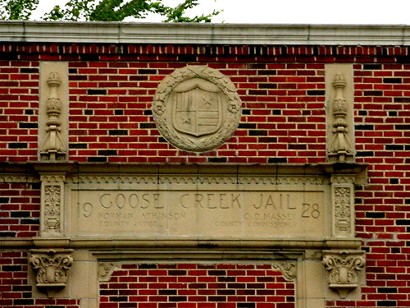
[(206, 214), (196, 108)]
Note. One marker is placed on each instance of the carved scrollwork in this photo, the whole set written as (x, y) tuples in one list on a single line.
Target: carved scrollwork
[(105, 270), (52, 268), (343, 268), (287, 268)]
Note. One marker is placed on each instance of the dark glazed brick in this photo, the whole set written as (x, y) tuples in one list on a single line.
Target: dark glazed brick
[(217, 159), (258, 133), (372, 66), (375, 215), (386, 304), (402, 127), (267, 72), (28, 70), (17, 145), (268, 86), (315, 92), (392, 80), (30, 221), (12, 268), (28, 125), (118, 132), (247, 125), (167, 292), (373, 93), (23, 302), (177, 298), (77, 145), (403, 222), (187, 58), (107, 152), (365, 154), (147, 71), (217, 273), (147, 125), (147, 266), (268, 139), (394, 147), (177, 272), (387, 290), (20, 214), (246, 305), (97, 92), (364, 127), (97, 159), (7, 234), (297, 146), (277, 160)]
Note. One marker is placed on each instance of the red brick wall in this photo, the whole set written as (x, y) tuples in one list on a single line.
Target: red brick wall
[(282, 89), (19, 209), (197, 286)]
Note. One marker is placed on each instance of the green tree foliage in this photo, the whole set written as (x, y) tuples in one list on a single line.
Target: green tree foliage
[(17, 9), (103, 10)]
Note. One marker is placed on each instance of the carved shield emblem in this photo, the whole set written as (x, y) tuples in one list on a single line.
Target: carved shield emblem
[(196, 108)]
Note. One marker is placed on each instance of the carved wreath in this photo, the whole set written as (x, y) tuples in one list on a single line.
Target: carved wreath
[(189, 143)]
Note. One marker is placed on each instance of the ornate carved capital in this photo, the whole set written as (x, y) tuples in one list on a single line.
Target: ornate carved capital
[(343, 267), (51, 267)]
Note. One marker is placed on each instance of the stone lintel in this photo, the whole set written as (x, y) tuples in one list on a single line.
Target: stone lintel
[(84, 243)]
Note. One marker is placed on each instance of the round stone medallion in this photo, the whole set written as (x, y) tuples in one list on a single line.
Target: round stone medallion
[(196, 108)]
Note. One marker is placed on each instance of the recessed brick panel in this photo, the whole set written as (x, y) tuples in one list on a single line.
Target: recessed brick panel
[(197, 285)]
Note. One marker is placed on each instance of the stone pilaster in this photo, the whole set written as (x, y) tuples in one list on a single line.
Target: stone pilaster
[(342, 190), (52, 205)]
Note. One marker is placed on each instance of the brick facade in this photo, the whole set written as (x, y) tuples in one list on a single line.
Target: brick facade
[(282, 88)]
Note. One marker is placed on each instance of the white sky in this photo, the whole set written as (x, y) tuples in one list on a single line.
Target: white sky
[(291, 11)]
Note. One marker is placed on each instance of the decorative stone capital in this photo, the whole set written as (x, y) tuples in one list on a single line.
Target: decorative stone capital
[(343, 267), (51, 267)]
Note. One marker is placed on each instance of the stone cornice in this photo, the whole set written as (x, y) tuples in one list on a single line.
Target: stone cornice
[(210, 34)]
